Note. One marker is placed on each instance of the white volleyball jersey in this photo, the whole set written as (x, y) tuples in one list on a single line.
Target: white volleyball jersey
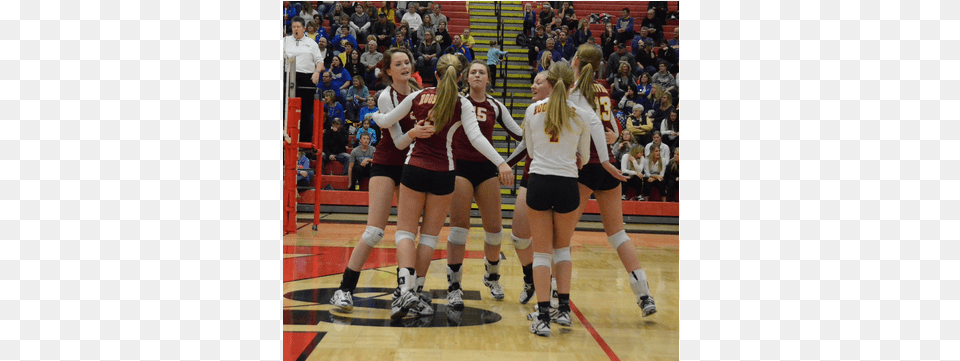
[(556, 155)]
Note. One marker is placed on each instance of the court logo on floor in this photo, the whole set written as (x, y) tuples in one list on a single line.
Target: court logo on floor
[(371, 307)]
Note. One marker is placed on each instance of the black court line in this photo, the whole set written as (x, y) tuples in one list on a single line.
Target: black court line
[(310, 347)]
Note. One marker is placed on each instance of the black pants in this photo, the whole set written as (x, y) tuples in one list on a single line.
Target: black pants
[(306, 105), (493, 74), (660, 185), (625, 37), (635, 182), (360, 173)]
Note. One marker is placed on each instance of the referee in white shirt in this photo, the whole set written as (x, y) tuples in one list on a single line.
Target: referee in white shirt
[(309, 66)]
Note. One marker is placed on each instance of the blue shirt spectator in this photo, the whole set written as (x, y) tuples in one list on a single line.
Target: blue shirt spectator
[(338, 45), (493, 56)]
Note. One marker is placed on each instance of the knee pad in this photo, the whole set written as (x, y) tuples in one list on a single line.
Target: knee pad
[(372, 236), (429, 241), (458, 236), (402, 235), (617, 239), (494, 239), (562, 254), (542, 259), (520, 243)]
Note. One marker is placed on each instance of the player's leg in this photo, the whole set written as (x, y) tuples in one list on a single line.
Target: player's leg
[(457, 240), (520, 234), (408, 217), (487, 196), (611, 212), (541, 224)]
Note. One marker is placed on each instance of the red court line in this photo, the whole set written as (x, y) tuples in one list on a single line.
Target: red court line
[(596, 336)]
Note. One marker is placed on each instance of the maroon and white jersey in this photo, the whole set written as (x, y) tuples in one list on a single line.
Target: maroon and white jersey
[(387, 152), (605, 112), (488, 111), (436, 152)]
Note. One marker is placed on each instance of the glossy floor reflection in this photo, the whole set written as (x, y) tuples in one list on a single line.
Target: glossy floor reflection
[(608, 324)]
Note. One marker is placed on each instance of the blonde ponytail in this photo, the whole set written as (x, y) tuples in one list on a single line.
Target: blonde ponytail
[(589, 57), (558, 111), (448, 67)]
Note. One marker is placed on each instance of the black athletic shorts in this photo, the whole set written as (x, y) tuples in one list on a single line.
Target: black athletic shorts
[(546, 192), (477, 172), (428, 181), (596, 178), (383, 170)]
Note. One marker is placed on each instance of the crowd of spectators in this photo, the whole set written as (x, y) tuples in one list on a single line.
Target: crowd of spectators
[(640, 67)]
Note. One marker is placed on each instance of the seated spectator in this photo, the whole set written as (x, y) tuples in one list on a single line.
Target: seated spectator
[(429, 51), (321, 30), (621, 55), (632, 167), (384, 31), (673, 177), (388, 11), (630, 98), (360, 21), (640, 126), (529, 19), (657, 144), (608, 40), (311, 31), (667, 54), (304, 173), (326, 84), (361, 160), (664, 79), (308, 11), (442, 36), (335, 146), (653, 173), (355, 96), (535, 44), (325, 52), (413, 19), (365, 127), (340, 77), (551, 50), (670, 129), (661, 112), (366, 112), (624, 146), (547, 15), (566, 47), (675, 42), (647, 59), (370, 58), (567, 15), (654, 26), (640, 41), (354, 67), (427, 25), (436, 16), (468, 41), (622, 81), (624, 28), (583, 32), (544, 63), (344, 23), (343, 38), (459, 48), (333, 110), (334, 15), (555, 26), (401, 38), (644, 87)]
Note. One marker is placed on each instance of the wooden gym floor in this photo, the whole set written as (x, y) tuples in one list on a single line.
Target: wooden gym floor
[(607, 323)]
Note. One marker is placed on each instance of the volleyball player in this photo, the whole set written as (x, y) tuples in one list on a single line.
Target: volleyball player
[(429, 178), (387, 169), (589, 94), (555, 131), (477, 179)]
